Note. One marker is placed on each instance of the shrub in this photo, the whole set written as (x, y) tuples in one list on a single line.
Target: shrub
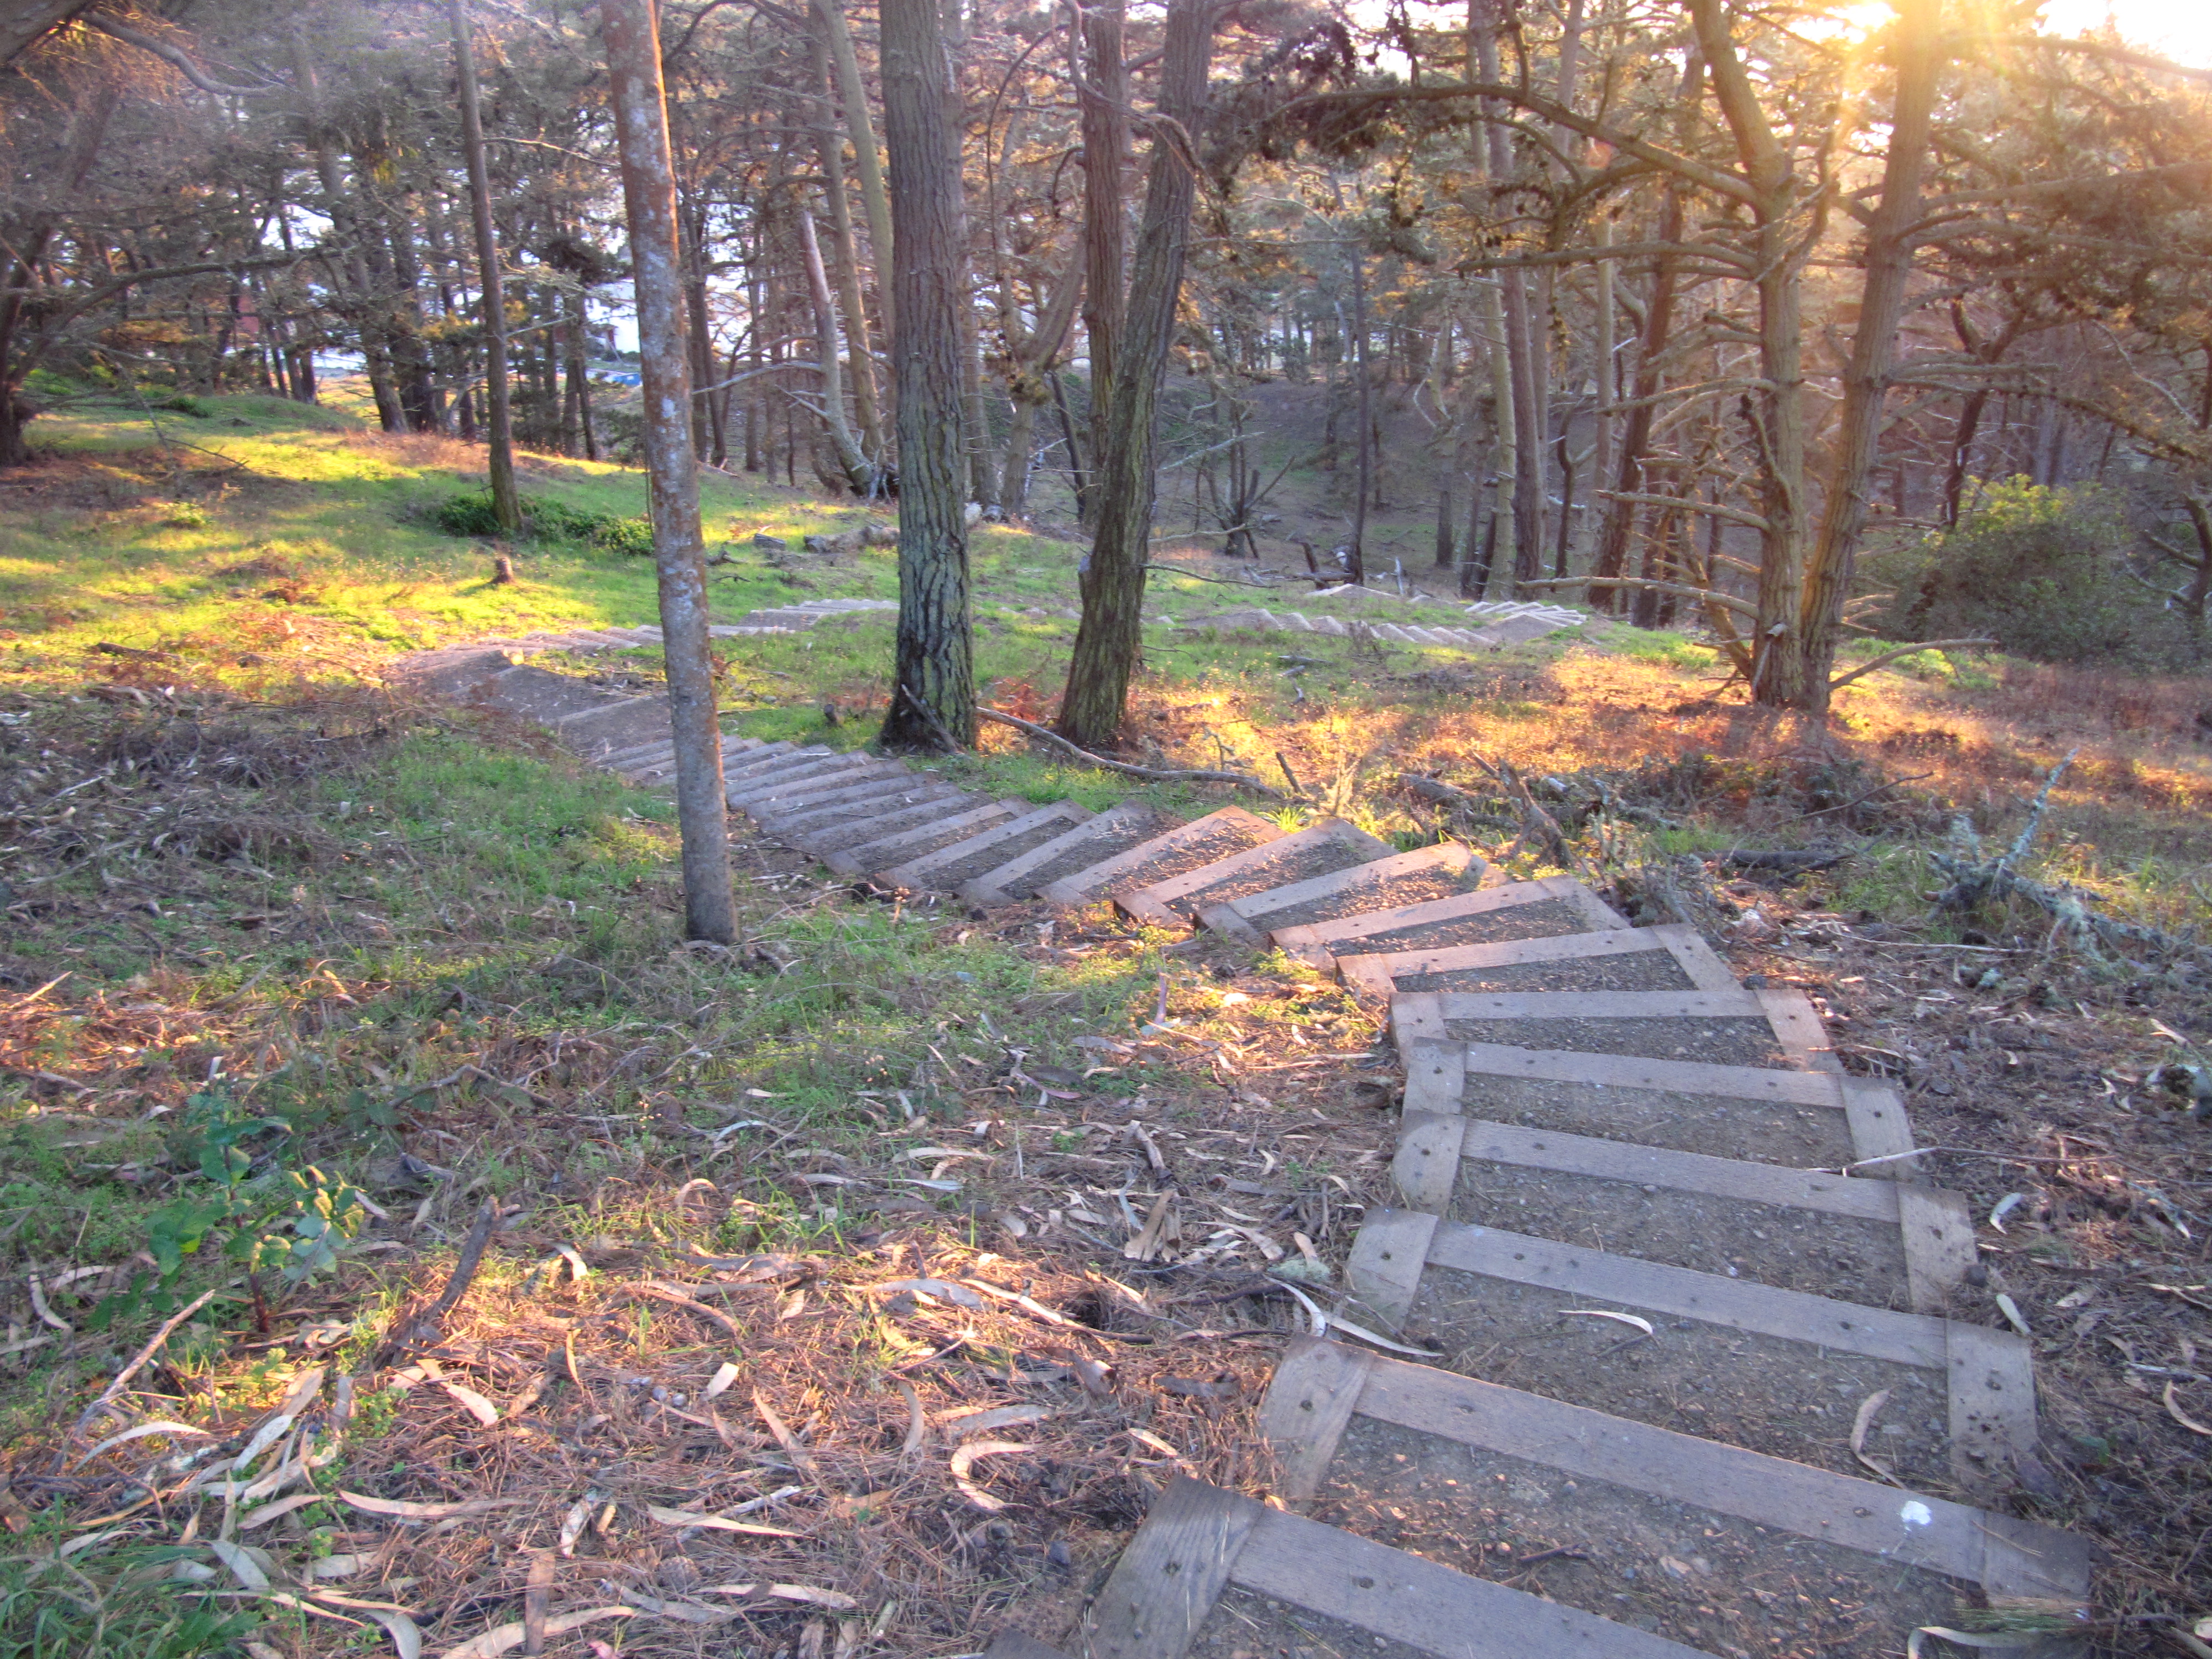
[(546, 520), (2042, 572)]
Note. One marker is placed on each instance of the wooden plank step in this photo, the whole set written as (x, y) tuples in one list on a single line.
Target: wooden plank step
[(1732, 1027), (936, 830), (645, 761), (1519, 909), (764, 764), (862, 828), (1673, 957), (1186, 846), (751, 786), (1215, 1574), (1811, 1119), (778, 795), (868, 800), (1465, 1016), (1408, 1451), (1688, 1209), (1319, 849), (1116, 830), (946, 868), (1774, 1370), (1402, 879)]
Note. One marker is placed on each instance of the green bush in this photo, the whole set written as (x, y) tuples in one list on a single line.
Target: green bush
[(546, 520), (2042, 572)]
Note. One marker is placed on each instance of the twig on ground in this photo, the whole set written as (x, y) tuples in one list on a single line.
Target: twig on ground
[(1155, 774), (114, 1390), (465, 1270)]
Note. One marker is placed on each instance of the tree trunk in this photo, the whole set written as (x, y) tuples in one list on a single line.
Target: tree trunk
[(1874, 346), (641, 111), (1108, 640), (1102, 84), (506, 503), (933, 698), (867, 160), (859, 473), (860, 365), (1356, 569)]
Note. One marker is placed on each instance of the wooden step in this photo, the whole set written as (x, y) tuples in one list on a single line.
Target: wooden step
[(1442, 1464), (1774, 1370), (1519, 909), (784, 794), (946, 867), (1186, 846), (1402, 879), (794, 822), (1215, 1574), (752, 787), (656, 763), (1320, 849), (631, 720), (1882, 1243), (859, 858), (776, 760), (1113, 831), (1809, 1119), (1673, 957), (847, 831), (1731, 1027)]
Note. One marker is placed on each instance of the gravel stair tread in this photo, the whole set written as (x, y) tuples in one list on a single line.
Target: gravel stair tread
[(1163, 856), (862, 858), (1401, 878), (1523, 909)]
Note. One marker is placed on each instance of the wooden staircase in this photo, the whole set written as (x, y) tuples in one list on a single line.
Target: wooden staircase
[(1678, 1384)]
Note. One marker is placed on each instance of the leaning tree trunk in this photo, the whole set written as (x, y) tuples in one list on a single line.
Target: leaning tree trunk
[(867, 160), (641, 108), (1874, 346), (933, 698), (1109, 640)]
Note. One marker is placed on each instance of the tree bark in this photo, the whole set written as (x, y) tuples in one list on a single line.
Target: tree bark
[(1103, 85), (867, 160), (641, 111), (1108, 640), (860, 366), (1874, 345), (934, 696), (859, 472), (499, 426), (1365, 451)]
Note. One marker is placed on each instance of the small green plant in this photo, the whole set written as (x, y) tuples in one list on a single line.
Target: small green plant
[(183, 403), (183, 515), (267, 1215), (546, 520)]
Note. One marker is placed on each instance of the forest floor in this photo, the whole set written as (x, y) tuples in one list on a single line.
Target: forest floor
[(259, 904)]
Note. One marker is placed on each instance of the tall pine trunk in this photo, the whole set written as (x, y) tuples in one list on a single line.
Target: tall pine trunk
[(1108, 640), (499, 426), (933, 699)]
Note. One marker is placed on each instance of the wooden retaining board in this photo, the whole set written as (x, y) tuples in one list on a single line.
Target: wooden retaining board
[(1688, 1210), (804, 819), (1211, 1574), (1115, 830), (859, 858), (847, 794), (1772, 1369), (1319, 850), (1675, 956), (1403, 879), (1422, 1457), (851, 831), (945, 867), (1183, 847), (1519, 909), (1735, 1027), (1811, 1119)]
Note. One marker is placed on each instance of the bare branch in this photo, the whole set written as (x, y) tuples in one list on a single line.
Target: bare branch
[(1888, 656)]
